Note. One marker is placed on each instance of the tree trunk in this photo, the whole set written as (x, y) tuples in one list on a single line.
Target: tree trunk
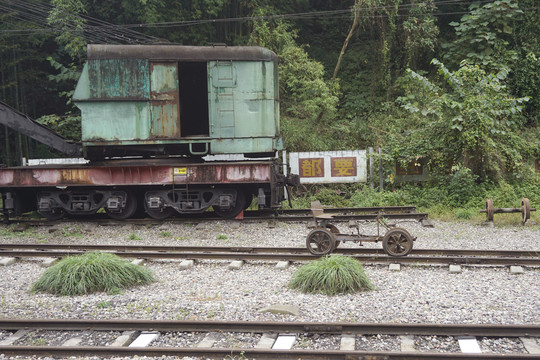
[(354, 25)]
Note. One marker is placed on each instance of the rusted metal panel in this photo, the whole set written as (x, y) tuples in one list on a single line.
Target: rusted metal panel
[(204, 173), (242, 102), (125, 79), (223, 173), (165, 100), (113, 122)]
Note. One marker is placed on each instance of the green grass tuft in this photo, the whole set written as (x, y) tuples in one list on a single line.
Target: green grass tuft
[(134, 237), (331, 275), (91, 272)]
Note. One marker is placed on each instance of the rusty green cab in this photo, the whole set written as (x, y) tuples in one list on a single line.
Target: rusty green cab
[(179, 100)]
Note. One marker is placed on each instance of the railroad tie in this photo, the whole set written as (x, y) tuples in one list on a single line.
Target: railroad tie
[(284, 342), (348, 342), (407, 343), (126, 338), (236, 265), (267, 341), (48, 262), (7, 261), (14, 337), (144, 339), (208, 340), (469, 345), (76, 341), (531, 345)]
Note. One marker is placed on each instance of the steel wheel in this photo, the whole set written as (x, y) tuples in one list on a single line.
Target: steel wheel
[(490, 210), (128, 211), (525, 210), (53, 214), (334, 230), (397, 242), (233, 211), (320, 241)]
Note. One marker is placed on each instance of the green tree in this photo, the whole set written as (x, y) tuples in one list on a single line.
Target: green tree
[(304, 93), (484, 36), (468, 119), (65, 16)]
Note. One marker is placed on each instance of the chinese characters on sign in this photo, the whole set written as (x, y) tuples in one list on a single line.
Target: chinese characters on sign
[(330, 166), (345, 166), (311, 167)]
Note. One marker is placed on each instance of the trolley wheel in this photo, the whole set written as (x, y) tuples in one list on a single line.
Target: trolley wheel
[(320, 241), (397, 242), (53, 214), (525, 210), (490, 210), (128, 211), (233, 211), (334, 230), (160, 214)]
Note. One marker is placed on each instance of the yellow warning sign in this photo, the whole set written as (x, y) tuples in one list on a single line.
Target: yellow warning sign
[(180, 171)]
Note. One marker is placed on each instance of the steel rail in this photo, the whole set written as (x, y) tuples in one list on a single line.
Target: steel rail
[(368, 259), (247, 353), (247, 218), (374, 209), (351, 213), (264, 250), (494, 330)]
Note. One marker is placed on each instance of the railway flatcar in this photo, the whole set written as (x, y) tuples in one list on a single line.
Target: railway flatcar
[(149, 113)]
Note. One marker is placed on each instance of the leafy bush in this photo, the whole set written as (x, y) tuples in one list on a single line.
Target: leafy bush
[(327, 195), (91, 272), (331, 275)]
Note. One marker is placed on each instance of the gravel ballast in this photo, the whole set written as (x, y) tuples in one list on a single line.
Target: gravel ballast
[(210, 291)]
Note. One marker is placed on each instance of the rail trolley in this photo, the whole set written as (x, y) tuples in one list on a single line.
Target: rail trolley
[(326, 237)]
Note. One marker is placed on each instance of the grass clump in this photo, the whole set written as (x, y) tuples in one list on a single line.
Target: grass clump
[(91, 272), (134, 237), (331, 275)]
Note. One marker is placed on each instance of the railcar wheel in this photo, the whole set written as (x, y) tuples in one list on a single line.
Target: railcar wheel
[(490, 210), (128, 211), (525, 210), (53, 214), (233, 211), (397, 242), (160, 215), (320, 241), (334, 230)]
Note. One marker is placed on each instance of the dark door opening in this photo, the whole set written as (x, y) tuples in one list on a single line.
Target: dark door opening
[(193, 83)]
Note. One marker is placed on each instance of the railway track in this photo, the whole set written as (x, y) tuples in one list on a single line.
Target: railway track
[(365, 255), (340, 214), (258, 340)]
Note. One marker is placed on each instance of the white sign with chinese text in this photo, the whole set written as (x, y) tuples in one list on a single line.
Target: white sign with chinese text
[(329, 166)]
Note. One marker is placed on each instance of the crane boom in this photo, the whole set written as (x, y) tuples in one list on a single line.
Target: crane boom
[(31, 128)]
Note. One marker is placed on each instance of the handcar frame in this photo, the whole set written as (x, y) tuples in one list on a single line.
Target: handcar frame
[(325, 237)]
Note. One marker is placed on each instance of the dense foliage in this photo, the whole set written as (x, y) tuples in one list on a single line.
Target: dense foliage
[(453, 83)]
